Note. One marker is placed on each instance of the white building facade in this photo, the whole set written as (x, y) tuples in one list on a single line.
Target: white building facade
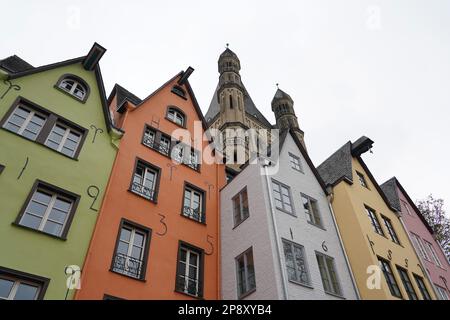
[(278, 236)]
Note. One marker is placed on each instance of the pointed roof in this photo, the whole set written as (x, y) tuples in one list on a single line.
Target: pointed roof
[(14, 64), (249, 106), (228, 53), (280, 94), (123, 95), (390, 190)]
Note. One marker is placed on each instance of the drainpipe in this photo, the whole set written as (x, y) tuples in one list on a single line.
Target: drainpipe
[(275, 229), (422, 264), (219, 237), (341, 242)]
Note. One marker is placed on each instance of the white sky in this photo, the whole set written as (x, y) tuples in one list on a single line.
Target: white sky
[(353, 67)]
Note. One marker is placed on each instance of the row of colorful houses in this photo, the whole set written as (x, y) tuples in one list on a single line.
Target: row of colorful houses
[(110, 197)]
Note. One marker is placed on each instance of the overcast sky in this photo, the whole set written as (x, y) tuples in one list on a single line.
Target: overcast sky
[(353, 67)]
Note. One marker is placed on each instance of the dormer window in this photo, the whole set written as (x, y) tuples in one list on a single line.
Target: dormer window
[(74, 86), (176, 115)]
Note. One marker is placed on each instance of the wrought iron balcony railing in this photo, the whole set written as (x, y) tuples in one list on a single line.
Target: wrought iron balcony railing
[(143, 191), (195, 214), (151, 143), (189, 285), (127, 265)]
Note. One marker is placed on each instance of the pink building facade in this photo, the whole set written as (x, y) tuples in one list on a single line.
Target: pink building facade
[(421, 235)]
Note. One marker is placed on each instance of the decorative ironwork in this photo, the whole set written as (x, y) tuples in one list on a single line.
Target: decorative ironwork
[(406, 262), (189, 285), (127, 265), (211, 244), (96, 130), (143, 191), (23, 168), (193, 214), (162, 221), (93, 195), (150, 142), (390, 254), (10, 86), (371, 243), (324, 246), (171, 167), (210, 186)]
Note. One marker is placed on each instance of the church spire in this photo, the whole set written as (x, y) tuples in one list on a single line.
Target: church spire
[(283, 107)]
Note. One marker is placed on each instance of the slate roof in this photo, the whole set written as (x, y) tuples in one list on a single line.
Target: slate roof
[(123, 95), (14, 64), (280, 94), (249, 105), (338, 166)]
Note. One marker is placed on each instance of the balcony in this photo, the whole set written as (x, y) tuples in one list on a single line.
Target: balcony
[(194, 214), (150, 142), (190, 286), (143, 191), (128, 266)]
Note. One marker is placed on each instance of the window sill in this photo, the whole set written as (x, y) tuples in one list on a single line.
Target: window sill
[(297, 170), (317, 226), (155, 201), (129, 277), (68, 94), (41, 144), (301, 284), (335, 295), (39, 231), (245, 295), (287, 212), (194, 220), (241, 222), (177, 124), (189, 295)]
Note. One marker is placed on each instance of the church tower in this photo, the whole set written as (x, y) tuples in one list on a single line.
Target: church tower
[(283, 107)]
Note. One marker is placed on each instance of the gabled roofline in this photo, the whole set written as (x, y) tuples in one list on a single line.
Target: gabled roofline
[(46, 67), (413, 205)]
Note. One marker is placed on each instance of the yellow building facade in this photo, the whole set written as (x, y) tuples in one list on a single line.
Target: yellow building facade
[(383, 259)]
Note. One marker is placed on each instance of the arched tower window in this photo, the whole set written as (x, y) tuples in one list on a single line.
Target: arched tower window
[(231, 102), (75, 86)]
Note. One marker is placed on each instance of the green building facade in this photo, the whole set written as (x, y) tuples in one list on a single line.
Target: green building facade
[(57, 148)]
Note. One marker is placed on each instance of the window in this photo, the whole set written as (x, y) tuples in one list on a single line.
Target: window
[(407, 283), (176, 115), (282, 196), (390, 278), (374, 221), (182, 153), (362, 179), (311, 210), (145, 180), (25, 122), (74, 86), (294, 255), (390, 228), (433, 254), (179, 91), (16, 285), (130, 256), (245, 273), (194, 203), (442, 293), (240, 207), (156, 140), (405, 205), (295, 162), (63, 139), (190, 270), (422, 287), (49, 209), (328, 274), (419, 246), (35, 123)]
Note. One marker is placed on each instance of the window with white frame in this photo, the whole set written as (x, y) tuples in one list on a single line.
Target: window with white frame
[(328, 274), (391, 230), (295, 162), (245, 273), (362, 179), (374, 221), (312, 211), (433, 254), (296, 266), (176, 116), (282, 197), (25, 122), (193, 204), (189, 271), (12, 288), (418, 244), (47, 211), (145, 180), (74, 87), (240, 206), (130, 251), (442, 293), (64, 139)]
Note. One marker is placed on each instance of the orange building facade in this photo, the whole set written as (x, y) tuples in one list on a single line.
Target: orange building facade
[(157, 234)]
